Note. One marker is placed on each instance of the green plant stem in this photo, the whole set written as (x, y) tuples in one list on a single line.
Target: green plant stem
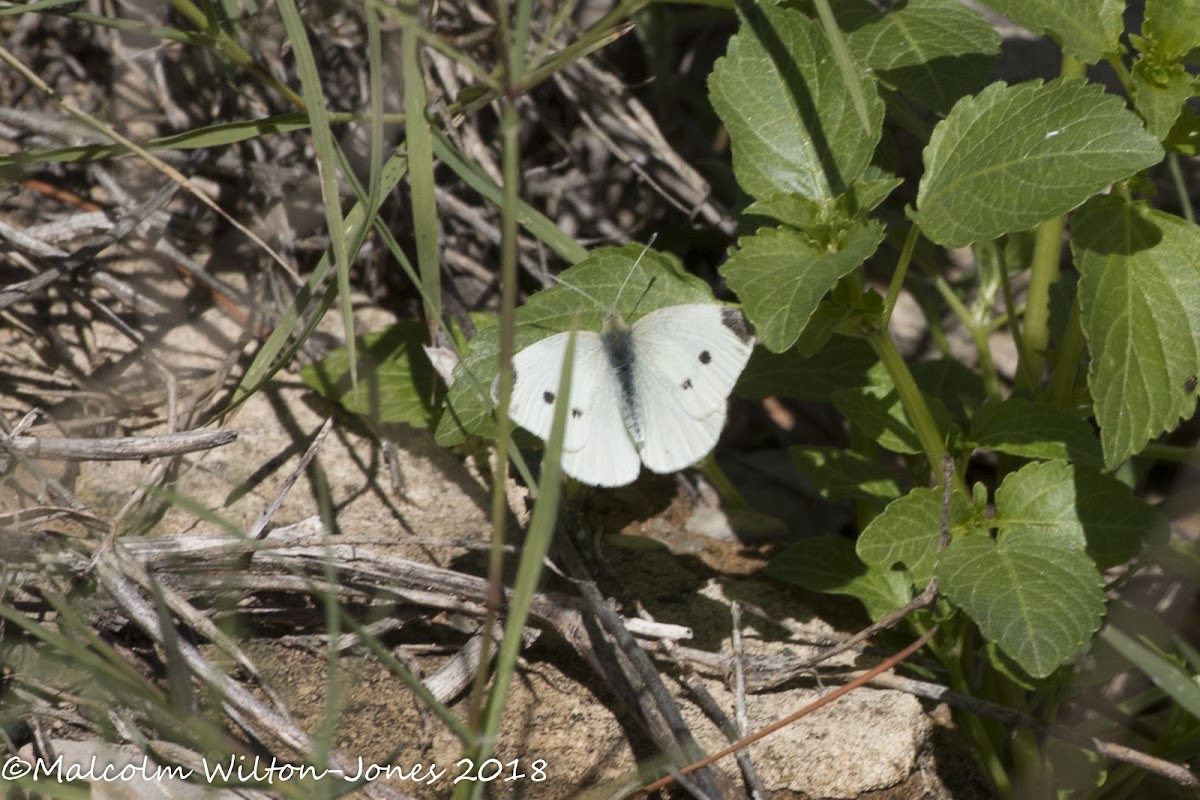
[(419, 139), (1169, 452), (1070, 355), (1024, 377), (897, 283), (953, 658), (1181, 187), (913, 402), (510, 168), (1047, 251)]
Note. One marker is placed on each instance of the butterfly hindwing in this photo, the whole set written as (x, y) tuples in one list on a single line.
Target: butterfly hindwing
[(596, 449), (674, 438)]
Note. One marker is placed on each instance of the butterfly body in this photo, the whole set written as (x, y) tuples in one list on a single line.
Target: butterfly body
[(653, 393)]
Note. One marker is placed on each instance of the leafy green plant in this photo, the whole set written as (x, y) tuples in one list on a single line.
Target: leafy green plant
[(1108, 351), (1023, 576)]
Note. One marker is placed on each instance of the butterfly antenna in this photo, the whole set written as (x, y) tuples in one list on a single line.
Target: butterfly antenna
[(633, 269)]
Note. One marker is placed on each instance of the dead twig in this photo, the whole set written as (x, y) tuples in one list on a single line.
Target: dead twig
[(125, 448)]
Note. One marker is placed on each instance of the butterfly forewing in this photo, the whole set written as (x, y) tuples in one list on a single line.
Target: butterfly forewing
[(700, 350)]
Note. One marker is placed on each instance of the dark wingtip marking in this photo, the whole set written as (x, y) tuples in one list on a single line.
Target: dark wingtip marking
[(736, 321)]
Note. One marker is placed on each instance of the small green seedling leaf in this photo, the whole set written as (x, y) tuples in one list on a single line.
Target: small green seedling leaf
[(828, 564), (781, 277), (933, 51), (396, 382), (791, 119), (1014, 156), (1034, 430), (1139, 273), (1159, 92), (1173, 27)]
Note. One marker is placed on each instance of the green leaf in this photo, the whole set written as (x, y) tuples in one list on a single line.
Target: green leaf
[(1173, 26), (1159, 94), (781, 276), (828, 564), (1077, 504), (1014, 156), (1034, 430), (1139, 272), (844, 474), (841, 364), (658, 282), (395, 380), (933, 51), (791, 119), (1087, 29), (1038, 597), (907, 532)]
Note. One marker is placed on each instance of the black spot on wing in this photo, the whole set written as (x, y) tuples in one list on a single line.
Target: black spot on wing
[(576, 412), (736, 321), (548, 397), (687, 384), (705, 357)]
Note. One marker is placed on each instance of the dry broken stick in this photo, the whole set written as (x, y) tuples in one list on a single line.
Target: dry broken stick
[(125, 448)]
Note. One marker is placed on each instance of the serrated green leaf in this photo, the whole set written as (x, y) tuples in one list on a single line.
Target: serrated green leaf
[(1038, 597), (828, 564), (395, 379), (866, 194), (841, 364), (658, 282), (1159, 94), (844, 474), (790, 209), (1173, 26), (1034, 430), (908, 531), (933, 51), (1014, 156), (1093, 511), (781, 277), (791, 119), (1087, 29), (1139, 269)]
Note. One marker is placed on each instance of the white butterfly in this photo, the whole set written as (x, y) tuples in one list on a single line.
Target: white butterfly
[(651, 394)]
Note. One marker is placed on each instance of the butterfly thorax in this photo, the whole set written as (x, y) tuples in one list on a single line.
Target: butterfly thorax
[(618, 347)]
